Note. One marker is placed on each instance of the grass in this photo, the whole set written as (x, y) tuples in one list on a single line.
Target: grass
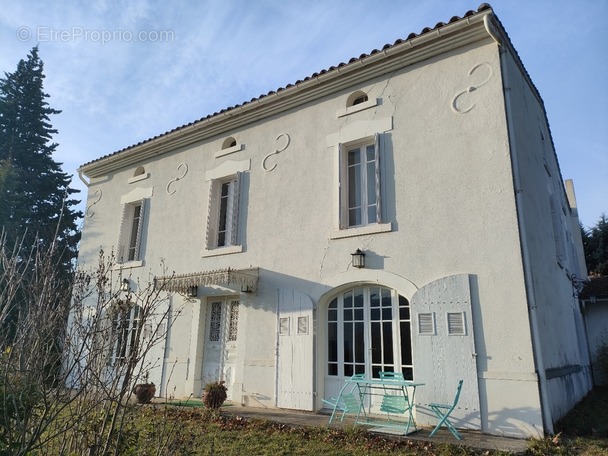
[(187, 428)]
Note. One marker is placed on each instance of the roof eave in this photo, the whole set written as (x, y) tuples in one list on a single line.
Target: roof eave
[(437, 41)]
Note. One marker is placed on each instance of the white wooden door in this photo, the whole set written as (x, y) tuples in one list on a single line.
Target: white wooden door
[(219, 359), (444, 350), (295, 351)]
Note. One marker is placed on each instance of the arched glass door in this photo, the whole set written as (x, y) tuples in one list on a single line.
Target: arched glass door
[(368, 331)]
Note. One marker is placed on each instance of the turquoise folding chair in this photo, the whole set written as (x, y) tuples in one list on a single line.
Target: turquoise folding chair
[(348, 400), (443, 411)]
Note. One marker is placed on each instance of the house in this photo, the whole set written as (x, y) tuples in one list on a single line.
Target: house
[(404, 211), (594, 302)]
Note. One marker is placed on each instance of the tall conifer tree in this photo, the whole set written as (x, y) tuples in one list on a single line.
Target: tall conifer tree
[(35, 196)]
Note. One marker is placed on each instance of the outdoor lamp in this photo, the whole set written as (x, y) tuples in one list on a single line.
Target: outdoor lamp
[(125, 285), (192, 291), (358, 259)]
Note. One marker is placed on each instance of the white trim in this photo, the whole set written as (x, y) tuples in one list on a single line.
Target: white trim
[(228, 168), (138, 178), (128, 265), (222, 251), (362, 230), (229, 150), (358, 107)]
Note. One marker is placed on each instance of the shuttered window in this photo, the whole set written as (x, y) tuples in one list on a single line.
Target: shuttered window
[(360, 195), (132, 221), (222, 221)]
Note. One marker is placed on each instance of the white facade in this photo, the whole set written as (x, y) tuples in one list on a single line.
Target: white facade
[(459, 208)]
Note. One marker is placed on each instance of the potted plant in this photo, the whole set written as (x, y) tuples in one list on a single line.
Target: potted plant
[(144, 392), (214, 394)]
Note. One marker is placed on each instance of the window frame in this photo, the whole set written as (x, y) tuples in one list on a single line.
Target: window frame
[(230, 217), (125, 327), (363, 187), (130, 250)]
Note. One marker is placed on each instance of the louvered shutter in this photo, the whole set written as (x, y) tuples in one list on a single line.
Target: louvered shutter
[(342, 206), (142, 214), (212, 214), (122, 234), (234, 227), (378, 192)]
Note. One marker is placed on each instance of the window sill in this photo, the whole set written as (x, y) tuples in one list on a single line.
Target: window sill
[(228, 151), (223, 251), (361, 230), (128, 265), (138, 178)]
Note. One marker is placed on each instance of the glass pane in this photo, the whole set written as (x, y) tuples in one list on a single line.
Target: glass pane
[(332, 315), (354, 157), (408, 373), (348, 314), (332, 342), (371, 214), (360, 369), (376, 343), (348, 370), (406, 343), (374, 294), (387, 331), (387, 314), (358, 297), (354, 186), (348, 342), (376, 371), (404, 313), (375, 314), (359, 314), (386, 298), (348, 299), (359, 343), (332, 369), (370, 152), (354, 217)]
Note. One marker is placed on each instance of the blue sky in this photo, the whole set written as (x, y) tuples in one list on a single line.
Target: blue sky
[(124, 71)]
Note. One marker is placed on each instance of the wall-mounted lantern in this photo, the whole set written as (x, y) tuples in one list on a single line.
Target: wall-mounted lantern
[(125, 286), (358, 259), (192, 291)]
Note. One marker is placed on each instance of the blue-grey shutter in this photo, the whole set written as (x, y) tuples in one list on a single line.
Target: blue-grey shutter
[(378, 189), (121, 250), (234, 232), (212, 214), (142, 214), (342, 206)]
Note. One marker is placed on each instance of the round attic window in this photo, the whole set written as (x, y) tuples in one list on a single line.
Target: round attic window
[(139, 171), (356, 98), (228, 143)]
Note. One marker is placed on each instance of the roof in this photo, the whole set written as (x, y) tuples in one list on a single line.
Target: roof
[(597, 287), (295, 90)]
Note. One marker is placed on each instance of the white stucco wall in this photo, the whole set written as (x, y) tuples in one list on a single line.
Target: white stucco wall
[(447, 195)]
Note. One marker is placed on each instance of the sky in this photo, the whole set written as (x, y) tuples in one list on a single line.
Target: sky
[(124, 71)]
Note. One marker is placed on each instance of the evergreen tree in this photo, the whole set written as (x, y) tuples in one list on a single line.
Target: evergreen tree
[(595, 244), (35, 194)]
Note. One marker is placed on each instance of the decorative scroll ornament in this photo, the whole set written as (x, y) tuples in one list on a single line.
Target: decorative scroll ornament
[(276, 151), (472, 88), (172, 181), (99, 194), (243, 278)]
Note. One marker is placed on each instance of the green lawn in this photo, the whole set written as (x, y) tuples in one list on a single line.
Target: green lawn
[(187, 428)]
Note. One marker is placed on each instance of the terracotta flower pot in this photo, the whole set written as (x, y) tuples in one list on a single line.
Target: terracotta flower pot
[(144, 392)]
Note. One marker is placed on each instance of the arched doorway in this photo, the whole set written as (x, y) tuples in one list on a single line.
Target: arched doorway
[(368, 330)]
